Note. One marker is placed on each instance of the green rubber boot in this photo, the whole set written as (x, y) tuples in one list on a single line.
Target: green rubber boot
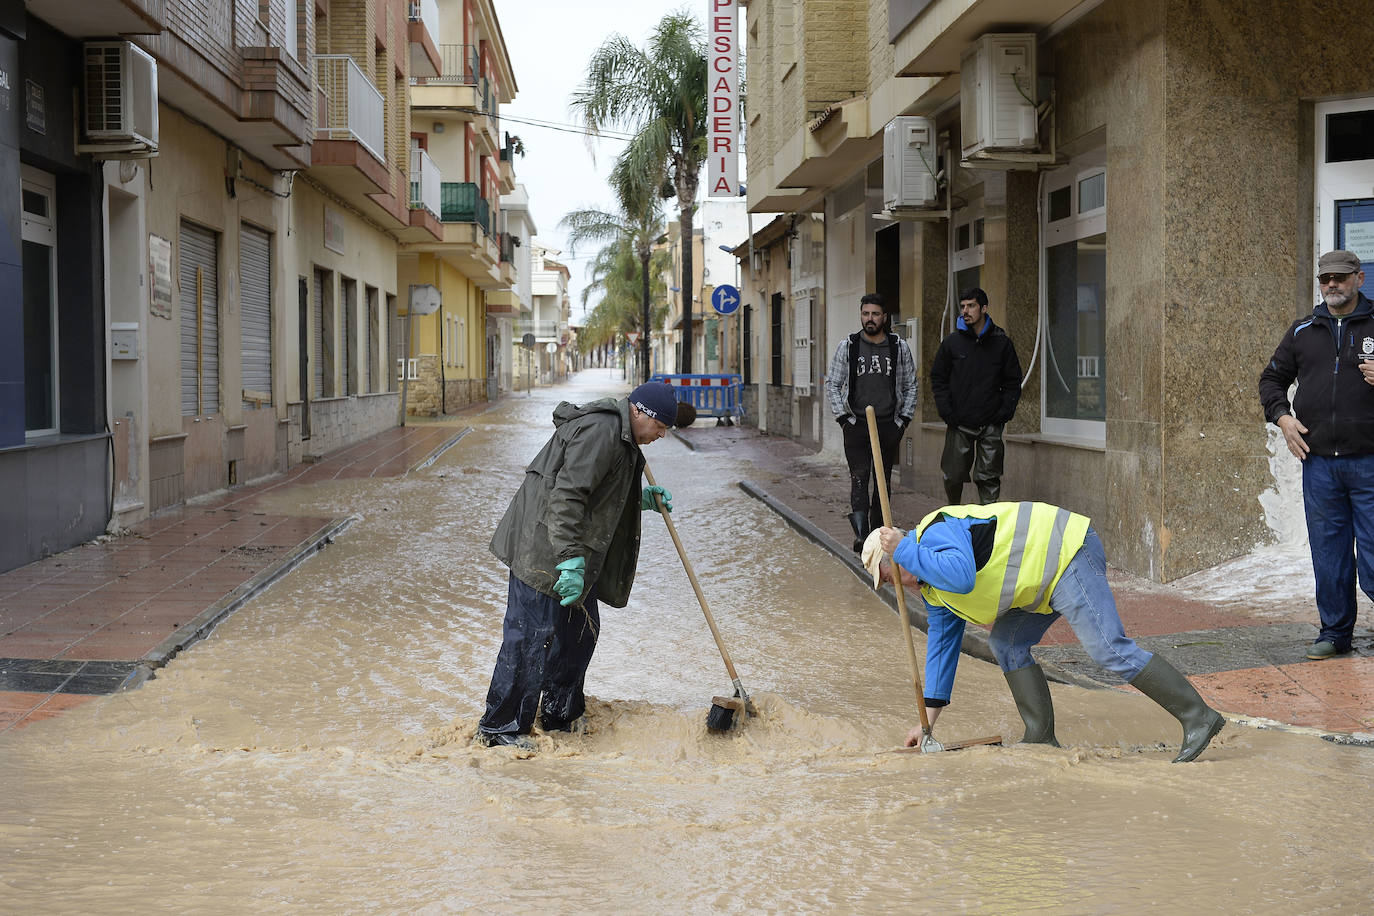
[(1032, 694), (1161, 682)]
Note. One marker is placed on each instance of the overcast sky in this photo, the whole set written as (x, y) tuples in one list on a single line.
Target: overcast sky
[(550, 43)]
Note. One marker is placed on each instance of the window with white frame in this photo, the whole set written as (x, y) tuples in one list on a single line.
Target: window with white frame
[(38, 191), (966, 252), (1074, 277)]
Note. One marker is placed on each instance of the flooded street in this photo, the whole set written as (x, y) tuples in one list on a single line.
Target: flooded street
[(315, 755)]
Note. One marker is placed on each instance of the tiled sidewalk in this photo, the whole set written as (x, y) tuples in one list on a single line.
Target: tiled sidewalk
[(1251, 667), (103, 616)]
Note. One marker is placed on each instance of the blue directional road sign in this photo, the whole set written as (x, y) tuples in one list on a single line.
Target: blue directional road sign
[(725, 299)]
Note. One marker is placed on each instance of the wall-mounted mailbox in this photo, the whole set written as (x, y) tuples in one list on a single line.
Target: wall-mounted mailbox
[(123, 340)]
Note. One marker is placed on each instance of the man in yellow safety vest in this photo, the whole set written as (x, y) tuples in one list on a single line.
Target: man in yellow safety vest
[(1020, 566)]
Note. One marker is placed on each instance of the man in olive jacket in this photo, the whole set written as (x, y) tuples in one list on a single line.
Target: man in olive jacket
[(571, 539)]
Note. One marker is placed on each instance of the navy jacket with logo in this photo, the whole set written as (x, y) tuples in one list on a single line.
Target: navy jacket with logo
[(1323, 353)]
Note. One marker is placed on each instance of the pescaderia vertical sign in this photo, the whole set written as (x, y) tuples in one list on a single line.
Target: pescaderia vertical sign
[(722, 98)]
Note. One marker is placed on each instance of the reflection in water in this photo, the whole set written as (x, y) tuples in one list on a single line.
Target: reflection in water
[(315, 753)]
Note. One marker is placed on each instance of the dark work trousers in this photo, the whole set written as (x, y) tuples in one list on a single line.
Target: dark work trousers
[(858, 452), (545, 648), (1338, 495), (979, 449)]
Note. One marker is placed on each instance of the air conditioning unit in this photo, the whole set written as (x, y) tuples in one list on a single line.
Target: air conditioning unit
[(119, 104), (909, 164), (997, 97)]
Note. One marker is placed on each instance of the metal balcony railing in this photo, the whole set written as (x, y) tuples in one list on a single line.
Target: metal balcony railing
[(461, 203), (538, 328), (459, 65), (426, 11), (350, 107), (425, 183)]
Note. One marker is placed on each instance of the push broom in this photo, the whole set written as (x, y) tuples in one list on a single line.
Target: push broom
[(723, 709), (928, 743)]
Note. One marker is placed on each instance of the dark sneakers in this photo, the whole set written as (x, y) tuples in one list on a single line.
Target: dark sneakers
[(1321, 649), (490, 739)]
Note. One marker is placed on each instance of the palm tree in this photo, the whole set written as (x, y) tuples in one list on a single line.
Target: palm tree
[(659, 95), (638, 227), (615, 275)]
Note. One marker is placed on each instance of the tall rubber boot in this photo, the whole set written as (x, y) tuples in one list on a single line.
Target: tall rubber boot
[(859, 522), (1032, 694), (1161, 682)]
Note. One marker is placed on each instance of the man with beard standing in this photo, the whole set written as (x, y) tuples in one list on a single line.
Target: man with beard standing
[(1329, 427), (871, 367)]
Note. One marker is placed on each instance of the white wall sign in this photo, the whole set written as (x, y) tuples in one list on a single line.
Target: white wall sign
[(1359, 238), (333, 230), (722, 98)]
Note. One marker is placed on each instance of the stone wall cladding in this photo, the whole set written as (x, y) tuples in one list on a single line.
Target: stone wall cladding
[(337, 422)]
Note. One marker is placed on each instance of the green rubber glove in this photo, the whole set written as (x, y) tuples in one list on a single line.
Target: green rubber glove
[(570, 580), (646, 499)]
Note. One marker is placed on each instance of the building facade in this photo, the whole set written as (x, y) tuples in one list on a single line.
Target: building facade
[(456, 127), (208, 279), (1145, 220)]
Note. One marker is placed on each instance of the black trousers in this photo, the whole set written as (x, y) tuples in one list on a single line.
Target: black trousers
[(980, 451), (858, 453), (545, 649)]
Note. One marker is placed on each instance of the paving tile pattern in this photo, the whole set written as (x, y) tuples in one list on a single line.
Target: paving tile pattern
[(103, 616)]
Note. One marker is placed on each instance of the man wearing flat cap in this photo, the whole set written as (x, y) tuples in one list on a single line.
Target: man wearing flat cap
[(571, 539), (1329, 427)]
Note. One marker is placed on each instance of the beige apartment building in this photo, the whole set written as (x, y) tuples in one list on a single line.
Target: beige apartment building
[(1141, 186), (224, 208)]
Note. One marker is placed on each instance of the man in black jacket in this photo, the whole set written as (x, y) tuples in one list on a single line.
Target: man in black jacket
[(976, 380), (1329, 427)]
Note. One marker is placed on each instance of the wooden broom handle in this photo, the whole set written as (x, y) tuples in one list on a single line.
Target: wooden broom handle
[(905, 615)]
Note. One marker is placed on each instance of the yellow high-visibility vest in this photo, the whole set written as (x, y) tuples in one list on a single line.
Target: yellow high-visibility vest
[(1033, 544)]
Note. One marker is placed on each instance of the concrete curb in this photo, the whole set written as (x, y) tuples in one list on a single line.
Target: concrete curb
[(205, 622), (438, 452)]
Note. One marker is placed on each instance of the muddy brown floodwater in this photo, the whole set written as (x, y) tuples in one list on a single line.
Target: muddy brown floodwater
[(314, 754)]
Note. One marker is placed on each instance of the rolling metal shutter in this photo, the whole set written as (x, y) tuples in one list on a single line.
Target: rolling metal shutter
[(348, 292), (317, 317), (255, 282), (373, 381), (199, 282)]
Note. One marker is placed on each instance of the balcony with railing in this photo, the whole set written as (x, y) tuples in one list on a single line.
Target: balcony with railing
[(460, 93), (540, 328), (350, 107), (461, 203), (426, 198), (425, 183), (459, 65), (422, 33), (506, 162), (349, 152)]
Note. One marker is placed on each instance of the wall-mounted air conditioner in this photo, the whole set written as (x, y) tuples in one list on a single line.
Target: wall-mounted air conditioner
[(997, 94), (910, 164), (119, 101)]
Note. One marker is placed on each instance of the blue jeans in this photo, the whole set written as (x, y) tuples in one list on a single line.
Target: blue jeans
[(1338, 496), (1084, 599)]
